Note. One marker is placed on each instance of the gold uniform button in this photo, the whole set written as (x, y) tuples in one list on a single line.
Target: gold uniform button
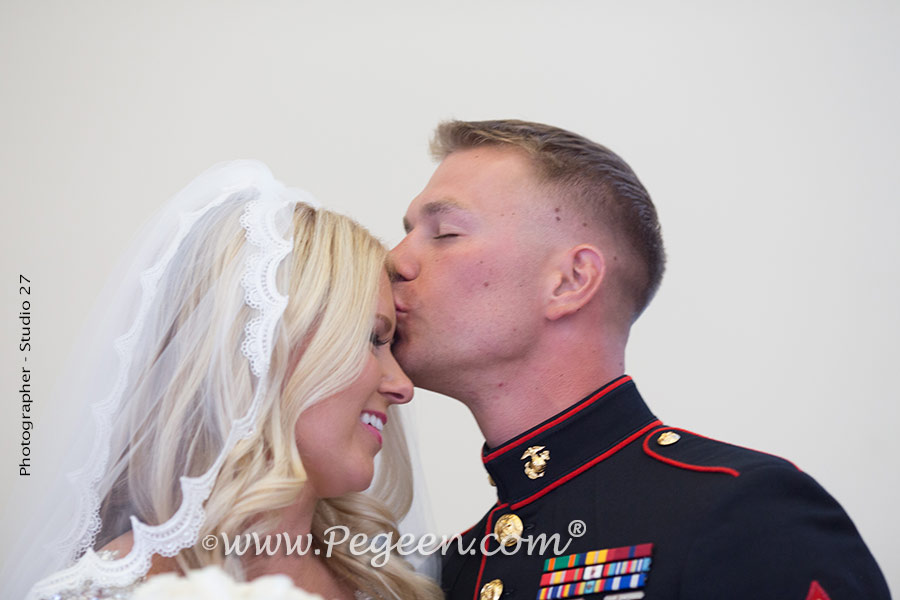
[(491, 481), (668, 438), (491, 590), (508, 529)]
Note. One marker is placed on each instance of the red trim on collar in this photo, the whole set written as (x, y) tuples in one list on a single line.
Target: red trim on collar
[(487, 532), (586, 466), (682, 465), (556, 421)]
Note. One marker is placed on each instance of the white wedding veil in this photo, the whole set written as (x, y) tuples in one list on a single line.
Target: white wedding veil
[(187, 330)]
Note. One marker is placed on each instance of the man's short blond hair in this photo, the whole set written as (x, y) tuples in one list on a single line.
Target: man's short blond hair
[(591, 176)]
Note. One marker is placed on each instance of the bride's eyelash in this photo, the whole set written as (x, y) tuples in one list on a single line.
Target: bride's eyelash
[(377, 341)]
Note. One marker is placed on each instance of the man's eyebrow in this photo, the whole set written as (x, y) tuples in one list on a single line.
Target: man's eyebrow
[(435, 207)]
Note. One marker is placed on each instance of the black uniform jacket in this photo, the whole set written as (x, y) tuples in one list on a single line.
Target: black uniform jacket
[(644, 510)]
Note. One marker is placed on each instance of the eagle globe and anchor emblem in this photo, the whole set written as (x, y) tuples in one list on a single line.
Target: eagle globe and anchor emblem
[(537, 458)]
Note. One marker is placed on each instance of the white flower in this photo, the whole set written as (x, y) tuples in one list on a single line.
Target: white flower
[(212, 583)]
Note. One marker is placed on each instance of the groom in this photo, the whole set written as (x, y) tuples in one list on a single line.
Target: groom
[(528, 256)]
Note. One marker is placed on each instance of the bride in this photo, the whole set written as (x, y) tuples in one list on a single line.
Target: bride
[(245, 385)]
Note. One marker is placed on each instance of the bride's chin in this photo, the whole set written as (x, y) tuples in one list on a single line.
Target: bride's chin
[(338, 483)]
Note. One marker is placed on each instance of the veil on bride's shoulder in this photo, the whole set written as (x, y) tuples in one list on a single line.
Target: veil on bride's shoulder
[(170, 405)]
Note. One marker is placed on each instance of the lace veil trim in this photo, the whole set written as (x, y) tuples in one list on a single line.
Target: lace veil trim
[(269, 248)]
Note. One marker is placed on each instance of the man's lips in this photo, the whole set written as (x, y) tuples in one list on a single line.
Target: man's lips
[(403, 315)]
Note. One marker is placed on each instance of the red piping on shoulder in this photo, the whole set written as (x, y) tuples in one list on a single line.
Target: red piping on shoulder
[(682, 465), (557, 420), (586, 466)]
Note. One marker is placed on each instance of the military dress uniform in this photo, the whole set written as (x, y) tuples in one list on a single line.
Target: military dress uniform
[(652, 511)]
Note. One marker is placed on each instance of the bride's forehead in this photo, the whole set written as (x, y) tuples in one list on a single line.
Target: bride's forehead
[(386, 299)]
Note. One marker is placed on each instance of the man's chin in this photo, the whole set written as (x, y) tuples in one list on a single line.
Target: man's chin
[(406, 356), (403, 354)]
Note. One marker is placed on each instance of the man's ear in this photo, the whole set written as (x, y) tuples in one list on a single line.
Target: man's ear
[(576, 280)]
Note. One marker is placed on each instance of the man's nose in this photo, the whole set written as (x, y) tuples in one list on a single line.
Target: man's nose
[(403, 260)]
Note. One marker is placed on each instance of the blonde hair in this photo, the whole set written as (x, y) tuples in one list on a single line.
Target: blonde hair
[(332, 280)]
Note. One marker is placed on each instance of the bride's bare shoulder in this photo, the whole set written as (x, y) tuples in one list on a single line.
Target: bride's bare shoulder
[(122, 545)]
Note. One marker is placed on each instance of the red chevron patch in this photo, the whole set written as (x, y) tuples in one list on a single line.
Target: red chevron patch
[(816, 592)]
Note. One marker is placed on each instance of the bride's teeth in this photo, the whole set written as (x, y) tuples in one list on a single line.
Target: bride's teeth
[(374, 421)]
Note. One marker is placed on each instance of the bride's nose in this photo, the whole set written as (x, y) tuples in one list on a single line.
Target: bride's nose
[(395, 385)]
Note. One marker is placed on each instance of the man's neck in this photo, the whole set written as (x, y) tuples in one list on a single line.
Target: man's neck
[(508, 404)]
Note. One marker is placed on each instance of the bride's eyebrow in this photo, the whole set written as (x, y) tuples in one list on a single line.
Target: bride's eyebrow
[(436, 207), (384, 320)]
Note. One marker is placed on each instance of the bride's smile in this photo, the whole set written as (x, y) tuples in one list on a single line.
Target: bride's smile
[(374, 421), (339, 436)]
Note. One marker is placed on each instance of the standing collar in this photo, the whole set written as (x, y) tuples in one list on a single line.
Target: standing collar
[(568, 443)]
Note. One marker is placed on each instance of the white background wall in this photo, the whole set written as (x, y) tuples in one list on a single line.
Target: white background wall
[(767, 134)]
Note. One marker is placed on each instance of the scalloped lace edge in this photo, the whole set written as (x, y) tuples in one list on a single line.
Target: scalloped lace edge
[(181, 530)]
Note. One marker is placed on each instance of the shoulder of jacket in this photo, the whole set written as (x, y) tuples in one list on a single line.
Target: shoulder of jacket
[(690, 451)]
